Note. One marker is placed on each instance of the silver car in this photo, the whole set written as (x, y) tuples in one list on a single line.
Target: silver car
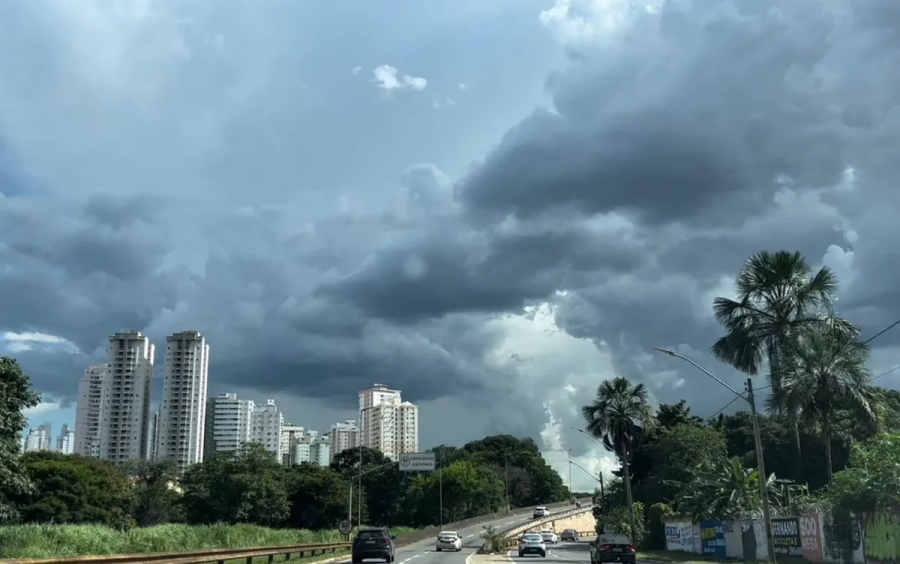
[(448, 540)]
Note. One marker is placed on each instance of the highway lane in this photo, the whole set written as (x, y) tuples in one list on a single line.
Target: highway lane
[(564, 552), (423, 552)]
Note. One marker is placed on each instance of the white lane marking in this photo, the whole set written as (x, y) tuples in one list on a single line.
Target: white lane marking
[(469, 536), (509, 523)]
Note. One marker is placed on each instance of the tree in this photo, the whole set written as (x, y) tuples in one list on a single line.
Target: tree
[(777, 296), (469, 490), (620, 416), (680, 450), (73, 489), (347, 461), (16, 394), (723, 489), (318, 496), (158, 501), (821, 372), (247, 486)]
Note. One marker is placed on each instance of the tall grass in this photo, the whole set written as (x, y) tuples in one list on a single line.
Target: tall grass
[(47, 541)]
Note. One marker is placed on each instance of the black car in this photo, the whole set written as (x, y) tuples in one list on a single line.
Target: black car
[(373, 543), (612, 548)]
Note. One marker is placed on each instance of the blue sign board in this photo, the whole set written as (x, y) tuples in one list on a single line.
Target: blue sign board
[(712, 538)]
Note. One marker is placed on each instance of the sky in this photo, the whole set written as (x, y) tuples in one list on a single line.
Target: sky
[(491, 206)]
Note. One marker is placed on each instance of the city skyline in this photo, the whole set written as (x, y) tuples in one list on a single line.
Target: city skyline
[(115, 419)]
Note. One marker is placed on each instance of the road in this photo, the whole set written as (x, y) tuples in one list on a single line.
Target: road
[(423, 552), (575, 552)]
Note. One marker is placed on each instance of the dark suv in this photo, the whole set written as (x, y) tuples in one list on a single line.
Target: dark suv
[(373, 543)]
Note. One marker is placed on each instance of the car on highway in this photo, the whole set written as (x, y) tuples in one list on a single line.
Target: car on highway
[(613, 548), (448, 540), (373, 543), (541, 512), (549, 536), (532, 543), (569, 535)]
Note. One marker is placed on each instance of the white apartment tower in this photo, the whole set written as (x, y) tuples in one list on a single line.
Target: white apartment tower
[(182, 413), (125, 411), (388, 424), (229, 422), (320, 451), (38, 438), (342, 436), (89, 410), (291, 436), (268, 423), (65, 442)]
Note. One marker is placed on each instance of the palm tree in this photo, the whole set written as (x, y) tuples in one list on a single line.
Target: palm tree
[(821, 372), (619, 416), (777, 296)]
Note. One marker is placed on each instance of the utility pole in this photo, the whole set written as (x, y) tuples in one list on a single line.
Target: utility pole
[(359, 493), (570, 476), (441, 483), (763, 477)]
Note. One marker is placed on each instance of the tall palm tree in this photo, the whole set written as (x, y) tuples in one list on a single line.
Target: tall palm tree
[(824, 371), (619, 416), (777, 296)]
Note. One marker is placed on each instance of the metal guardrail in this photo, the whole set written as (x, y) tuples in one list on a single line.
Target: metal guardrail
[(221, 556)]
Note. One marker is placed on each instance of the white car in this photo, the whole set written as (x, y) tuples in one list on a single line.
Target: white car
[(549, 536), (541, 512), (448, 540)]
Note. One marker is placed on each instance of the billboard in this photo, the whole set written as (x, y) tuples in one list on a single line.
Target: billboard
[(786, 534), (417, 462)]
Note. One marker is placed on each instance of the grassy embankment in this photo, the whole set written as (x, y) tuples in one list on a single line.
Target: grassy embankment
[(48, 541)]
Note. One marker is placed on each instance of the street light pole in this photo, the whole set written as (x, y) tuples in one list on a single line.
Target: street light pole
[(600, 474), (441, 483), (570, 474), (760, 461), (362, 412), (506, 477)]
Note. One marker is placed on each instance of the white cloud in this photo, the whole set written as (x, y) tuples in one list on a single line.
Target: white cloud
[(389, 79), (463, 87), (356, 70), (26, 341), (549, 367), (43, 407)]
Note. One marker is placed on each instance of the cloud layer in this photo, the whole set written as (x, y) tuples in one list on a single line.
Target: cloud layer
[(168, 165)]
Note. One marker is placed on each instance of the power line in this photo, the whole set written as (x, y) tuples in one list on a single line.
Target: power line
[(883, 331), (726, 406), (885, 373)]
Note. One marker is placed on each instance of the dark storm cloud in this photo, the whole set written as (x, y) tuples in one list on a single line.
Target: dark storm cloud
[(490, 272)]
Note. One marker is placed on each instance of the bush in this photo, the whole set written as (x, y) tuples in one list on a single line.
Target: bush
[(46, 541), (494, 540)]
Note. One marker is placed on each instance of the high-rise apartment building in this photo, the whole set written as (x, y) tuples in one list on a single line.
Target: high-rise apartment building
[(320, 451), (89, 410), (342, 436), (182, 413), (65, 442), (268, 422), (38, 438), (388, 424), (291, 435), (125, 411), (229, 423)]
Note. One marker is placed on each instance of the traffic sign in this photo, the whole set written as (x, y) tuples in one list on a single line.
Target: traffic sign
[(345, 528), (417, 462)]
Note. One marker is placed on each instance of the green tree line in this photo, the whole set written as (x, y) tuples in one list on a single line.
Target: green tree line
[(824, 424), (250, 486)]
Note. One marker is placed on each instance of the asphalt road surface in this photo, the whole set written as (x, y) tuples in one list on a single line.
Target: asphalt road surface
[(423, 552), (563, 552)]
